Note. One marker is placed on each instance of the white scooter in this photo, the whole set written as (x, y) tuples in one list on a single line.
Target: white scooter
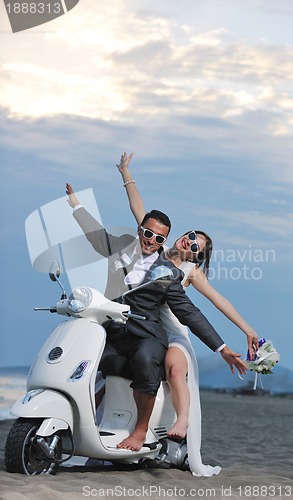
[(56, 419)]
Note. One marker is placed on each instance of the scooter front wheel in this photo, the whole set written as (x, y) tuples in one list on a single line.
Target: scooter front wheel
[(23, 455)]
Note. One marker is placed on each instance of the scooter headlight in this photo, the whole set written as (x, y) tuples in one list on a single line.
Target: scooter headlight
[(80, 299)]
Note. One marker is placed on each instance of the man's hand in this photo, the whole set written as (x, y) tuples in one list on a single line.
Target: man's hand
[(232, 358), (124, 162), (72, 200)]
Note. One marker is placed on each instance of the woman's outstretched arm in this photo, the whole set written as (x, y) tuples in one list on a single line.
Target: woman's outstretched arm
[(201, 284), (135, 200)]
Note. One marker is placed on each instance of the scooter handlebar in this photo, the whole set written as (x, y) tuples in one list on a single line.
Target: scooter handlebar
[(129, 314), (52, 309)]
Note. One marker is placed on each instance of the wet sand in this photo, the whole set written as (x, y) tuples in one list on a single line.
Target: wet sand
[(251, 438)]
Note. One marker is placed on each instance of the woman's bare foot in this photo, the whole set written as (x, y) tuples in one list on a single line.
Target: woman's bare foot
[(133, 442), (179, 429)]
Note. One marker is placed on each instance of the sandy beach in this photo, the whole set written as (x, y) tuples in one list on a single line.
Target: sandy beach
[(251, 438)]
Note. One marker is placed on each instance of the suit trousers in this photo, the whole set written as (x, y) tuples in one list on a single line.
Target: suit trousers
[(140, 359)]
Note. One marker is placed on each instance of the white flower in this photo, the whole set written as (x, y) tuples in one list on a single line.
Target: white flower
[(265, 358)]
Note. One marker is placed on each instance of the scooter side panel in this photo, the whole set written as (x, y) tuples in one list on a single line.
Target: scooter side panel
[(120, 411), (120, 408)]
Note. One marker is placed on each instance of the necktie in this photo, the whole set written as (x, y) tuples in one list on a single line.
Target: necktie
[(128, 269)]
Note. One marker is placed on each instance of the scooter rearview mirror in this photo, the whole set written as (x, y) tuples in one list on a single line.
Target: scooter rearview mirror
[(54, 271)]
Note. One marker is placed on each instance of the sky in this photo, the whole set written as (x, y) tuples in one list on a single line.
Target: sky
[(201, 92)]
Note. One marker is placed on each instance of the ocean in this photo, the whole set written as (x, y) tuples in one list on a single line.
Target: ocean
[(12, 387)]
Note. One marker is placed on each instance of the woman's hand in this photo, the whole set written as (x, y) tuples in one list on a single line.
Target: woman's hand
[(135, 201), (72, 200), (252, 342), (124, 162)]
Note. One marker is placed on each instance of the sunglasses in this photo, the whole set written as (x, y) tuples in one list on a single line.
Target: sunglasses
[(194, 247), (148, 234)]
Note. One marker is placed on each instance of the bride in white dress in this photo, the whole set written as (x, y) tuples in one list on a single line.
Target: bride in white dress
[(189, 253), (179, 340)]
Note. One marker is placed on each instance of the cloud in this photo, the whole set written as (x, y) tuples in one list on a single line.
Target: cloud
[(177, 93), (265, 224), (113, 66)]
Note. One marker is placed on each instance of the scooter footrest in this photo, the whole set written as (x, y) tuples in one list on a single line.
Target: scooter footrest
[(151, 446)]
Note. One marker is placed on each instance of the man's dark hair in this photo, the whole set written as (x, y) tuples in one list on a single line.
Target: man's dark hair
[(159, 216)]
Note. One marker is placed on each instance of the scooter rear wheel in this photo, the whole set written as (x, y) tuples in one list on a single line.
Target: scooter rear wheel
[(22, 455)]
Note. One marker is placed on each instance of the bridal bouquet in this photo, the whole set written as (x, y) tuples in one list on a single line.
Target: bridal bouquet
[(265, 358)]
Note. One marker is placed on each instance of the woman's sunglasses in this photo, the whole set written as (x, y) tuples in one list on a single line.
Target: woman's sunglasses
[(148, 234), (194, 247)]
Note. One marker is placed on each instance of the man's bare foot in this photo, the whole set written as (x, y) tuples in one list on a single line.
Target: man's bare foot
[(179, 429), (133, 442)]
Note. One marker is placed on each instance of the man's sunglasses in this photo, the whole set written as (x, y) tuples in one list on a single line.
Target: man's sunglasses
[(194, 247), (148, 234)]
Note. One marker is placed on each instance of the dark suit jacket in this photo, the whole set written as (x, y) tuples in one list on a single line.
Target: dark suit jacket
[(146, 301)]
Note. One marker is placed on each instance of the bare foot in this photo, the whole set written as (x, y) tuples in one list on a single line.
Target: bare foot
[(133, 442), (179, 429)]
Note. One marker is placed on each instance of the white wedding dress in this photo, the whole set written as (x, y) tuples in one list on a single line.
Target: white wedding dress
[(178, 337)]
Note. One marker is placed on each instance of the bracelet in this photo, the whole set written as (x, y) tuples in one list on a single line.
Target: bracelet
[(128, 182)]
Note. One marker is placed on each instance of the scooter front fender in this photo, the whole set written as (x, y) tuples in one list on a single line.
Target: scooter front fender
[(44, 404), (51, 425)]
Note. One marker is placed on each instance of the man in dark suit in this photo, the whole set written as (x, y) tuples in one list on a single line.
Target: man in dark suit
[(143, 343)]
